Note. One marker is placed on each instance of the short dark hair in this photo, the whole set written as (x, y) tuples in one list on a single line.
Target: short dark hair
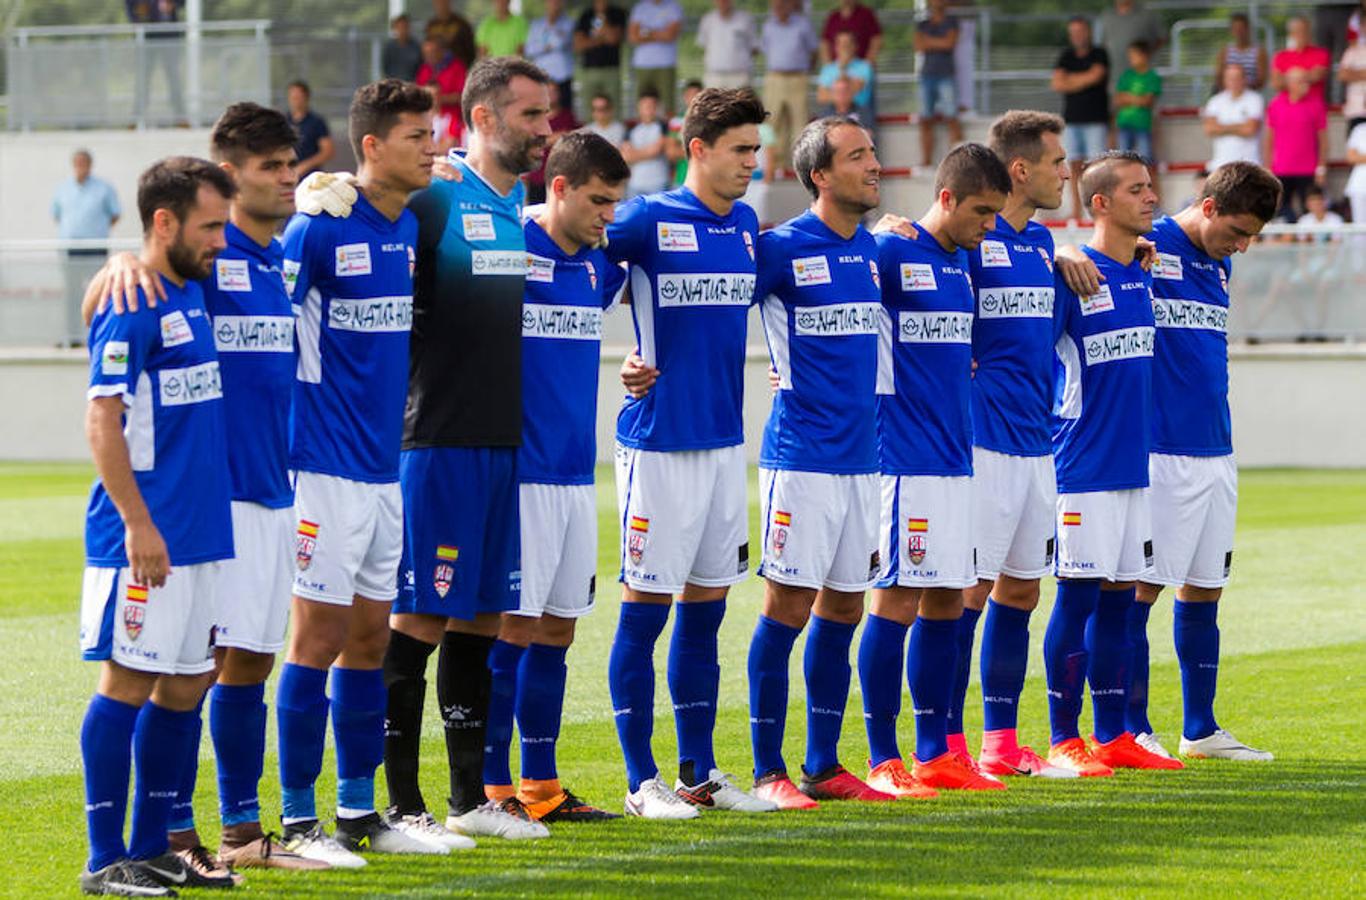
[(603, 95), (692, 83), (376, 106), (401, 17), (1079, 18), (1018, 134), (580, 155), (650, 92), (489, 83), (1239, 188), (1142, 47), (969, 169), (717, 110), (813, 151), (173, 184), (249, 129), (301, 85), (1100, 175), (1240, 17)]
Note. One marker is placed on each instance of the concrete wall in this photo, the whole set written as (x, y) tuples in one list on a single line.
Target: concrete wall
[(1292, 406)]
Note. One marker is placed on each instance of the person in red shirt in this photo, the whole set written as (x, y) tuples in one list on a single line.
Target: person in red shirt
[(852, 15), (443, 74), (1300, 53), (562, 122)]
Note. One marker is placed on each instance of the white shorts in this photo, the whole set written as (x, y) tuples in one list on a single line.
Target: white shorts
[(1105, 534), (684, 518), (1194, 505), (559, 549), (253, 589), (820, 530), (926, 530), (166, 630), (348, 539), (1013, 515)]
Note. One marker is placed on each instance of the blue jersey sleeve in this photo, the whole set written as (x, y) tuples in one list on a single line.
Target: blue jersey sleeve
[(119, 348), (629, 236), (301, 265), (613, 285)]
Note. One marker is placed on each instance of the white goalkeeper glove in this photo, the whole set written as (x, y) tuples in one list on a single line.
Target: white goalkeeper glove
[(333, 193)]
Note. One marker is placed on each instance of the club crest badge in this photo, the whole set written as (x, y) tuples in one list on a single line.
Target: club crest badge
[(749, 243), (635, 539), (916, 542), (441, 579), (305, 541), (782, 521), (135, 611)]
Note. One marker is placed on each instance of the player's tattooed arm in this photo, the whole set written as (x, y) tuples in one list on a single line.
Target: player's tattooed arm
[(117, 283), (637, 377), (148, 560)]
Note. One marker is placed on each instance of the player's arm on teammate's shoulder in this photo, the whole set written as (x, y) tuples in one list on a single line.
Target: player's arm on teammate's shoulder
[(1077, 270), (116, 284), (636, 376), (333, 193), (895, 224)]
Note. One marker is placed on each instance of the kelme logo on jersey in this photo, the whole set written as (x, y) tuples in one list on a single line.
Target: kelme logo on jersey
[(1169, 313), (676, 237), (379, 314), (232, 274), (810, 270), (134, 611), (573, 323), (114, 358), (192, 384), (1123, 343), (254, 334), (705, 289), (498, 262), (305, 541), (914, 327), (353, 259), (1015, 302), (837, 319)]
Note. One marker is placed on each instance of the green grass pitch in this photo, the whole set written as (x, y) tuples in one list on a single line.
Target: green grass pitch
[(1293, 681)]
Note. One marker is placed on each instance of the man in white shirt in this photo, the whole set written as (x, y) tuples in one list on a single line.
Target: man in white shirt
[(728, 40), (1233, 120), (550, 45), (653, 29), (603, 121), (646, 148)]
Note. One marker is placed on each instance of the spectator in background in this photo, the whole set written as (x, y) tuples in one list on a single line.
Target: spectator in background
[(550, 45), (501, 32), (1352, 73), (1232, 119), (1124, 23), (1356, 182), (1080, 77), (789, 46), (1241, 51), (401, 56), (678, 155), (646, 148), (654, 27), (848, 66), (1293, 143), (164, 50), (965, 57), (1316, 212), (1300, 53), (1136, 94), (842, 102), (562, 122), (452, 30), (444, 75), (597, 36), (728, 38), (936, 35), (315, 145), (852, 15), (1356, 34), (604, 120), (84, 208)]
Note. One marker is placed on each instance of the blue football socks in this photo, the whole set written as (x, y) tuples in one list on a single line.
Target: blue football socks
[(631, 681), (881, 652)]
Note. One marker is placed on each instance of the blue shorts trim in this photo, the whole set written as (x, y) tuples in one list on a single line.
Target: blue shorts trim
[(104, 650), (461, 532), (891, 571)]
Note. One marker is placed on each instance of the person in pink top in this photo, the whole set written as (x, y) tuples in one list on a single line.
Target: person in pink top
[(1300, 53), (1296, 121)]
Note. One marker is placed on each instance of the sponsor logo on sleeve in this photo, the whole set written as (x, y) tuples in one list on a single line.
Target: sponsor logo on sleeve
[(175, 330), (291, 275), (1173, 313), (918, 277), (1015, 303), (478, 226), (539, 268), (192, 384), (705, 289), (573, 323), (498, 262), (254, 334), (1167, 266), (373, 314), (353, 259), (676, 237), (1120, 344), (995, 255), (837, 319), (233, 274), (114, 358), (914, 327), (810, 270), (1099, 302)]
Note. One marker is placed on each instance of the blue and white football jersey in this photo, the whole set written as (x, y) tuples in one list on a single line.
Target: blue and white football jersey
[(561, 341), (351, 281), (1012, 340), (163, 364), (692, 282), (1102, 409), (253, 327), (1190, 359), (821, 308), (925, 357)]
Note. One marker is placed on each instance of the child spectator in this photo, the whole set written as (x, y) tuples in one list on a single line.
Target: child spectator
[(1316, 212), (1136, 94), (1356, 182)]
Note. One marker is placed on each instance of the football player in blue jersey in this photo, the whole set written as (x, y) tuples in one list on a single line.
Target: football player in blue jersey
[(1192, 469), (1101, 437), (569, 285), (680, 455), (821, 305), (925, 431), (351, 284), (155, 422)]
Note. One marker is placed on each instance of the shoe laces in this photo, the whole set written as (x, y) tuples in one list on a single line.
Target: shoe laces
[(201, 859), (513, 807), (269, 841), (966, 760), (657, 790), (136, 875), (1030, 759)]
